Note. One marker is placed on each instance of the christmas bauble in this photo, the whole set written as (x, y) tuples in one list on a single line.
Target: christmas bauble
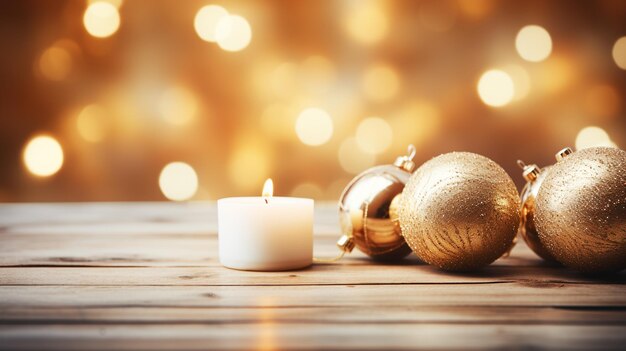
[(581, 210), (534, 177), (459, 211), (368, 210)]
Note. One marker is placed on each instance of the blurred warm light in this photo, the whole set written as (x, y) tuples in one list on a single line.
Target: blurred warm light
[(43, 156), (101, 19), (91, 123), (233, 33), (268, 188), (619, 52), (334, 190), (496, 88), (318, 72), (414, 123), (55, 63), (533, 43), (116, 3), (380, 82), (178, 181), (476, 9), (602, 101), (521, 81), (352, 158), (374, 135), (282, 80), (249, 164), (178, 106), (437, 16), (557, 74), (593, 136), (308, 190), (367, 22), (277, 120), (394, 60), (314, 126), (205, 22)]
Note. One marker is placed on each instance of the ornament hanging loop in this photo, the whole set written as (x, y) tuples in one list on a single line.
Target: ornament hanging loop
[(345, 245), (411, 151), (530, 172), (406, 162), (329, 260)]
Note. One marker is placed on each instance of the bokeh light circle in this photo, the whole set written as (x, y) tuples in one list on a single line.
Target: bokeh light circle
[(380, 82), (593, 136), (619, 52), (178, 106), (314, 126), (496, 88), (91, 123), (43, 156), (101, 19), (178, 181), (206, 20), (533, 43), (233, 33), (367, 23), (374, 135), (55, 63)]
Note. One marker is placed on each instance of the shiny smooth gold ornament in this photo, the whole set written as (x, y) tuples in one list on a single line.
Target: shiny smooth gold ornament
[(460, 211), (534, 178), (581, 209), (368, 210)]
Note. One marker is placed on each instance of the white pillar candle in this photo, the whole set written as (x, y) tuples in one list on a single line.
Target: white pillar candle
[(265, 233)]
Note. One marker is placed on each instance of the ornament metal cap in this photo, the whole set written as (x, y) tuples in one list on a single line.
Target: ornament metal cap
[(345, 243), (563, 153), (406, 162), (530, 172)]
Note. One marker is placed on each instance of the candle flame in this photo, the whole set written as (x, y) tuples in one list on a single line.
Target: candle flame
[(268, 188)]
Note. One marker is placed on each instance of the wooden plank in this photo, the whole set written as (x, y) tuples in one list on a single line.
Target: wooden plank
[(154, 250), (146, 275), (128, 250), (196, 216), (341, 315), (47, 214), (323, 274), (140, 234), (500, 294), (270, 335)]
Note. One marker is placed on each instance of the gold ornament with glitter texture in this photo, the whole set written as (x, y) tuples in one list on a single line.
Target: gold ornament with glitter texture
[(581, 209), (460, 211)]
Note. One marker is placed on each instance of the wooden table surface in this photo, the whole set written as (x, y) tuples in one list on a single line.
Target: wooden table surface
[(146, 276)]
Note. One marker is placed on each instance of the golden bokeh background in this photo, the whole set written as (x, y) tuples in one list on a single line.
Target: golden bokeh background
[(152, 100)]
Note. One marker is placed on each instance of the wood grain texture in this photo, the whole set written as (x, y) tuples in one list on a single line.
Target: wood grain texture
[(566, 315), (146, 275), (272, 336), (501, 294), (327, 274)]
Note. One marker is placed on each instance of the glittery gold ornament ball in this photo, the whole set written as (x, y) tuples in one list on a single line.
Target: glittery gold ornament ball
[(459, 211), (581, 210)]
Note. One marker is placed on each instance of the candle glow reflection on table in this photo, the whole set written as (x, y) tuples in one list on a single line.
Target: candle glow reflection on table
[(265, 233)]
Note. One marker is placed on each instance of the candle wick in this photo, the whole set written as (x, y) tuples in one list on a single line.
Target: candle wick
[(266, 201)]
